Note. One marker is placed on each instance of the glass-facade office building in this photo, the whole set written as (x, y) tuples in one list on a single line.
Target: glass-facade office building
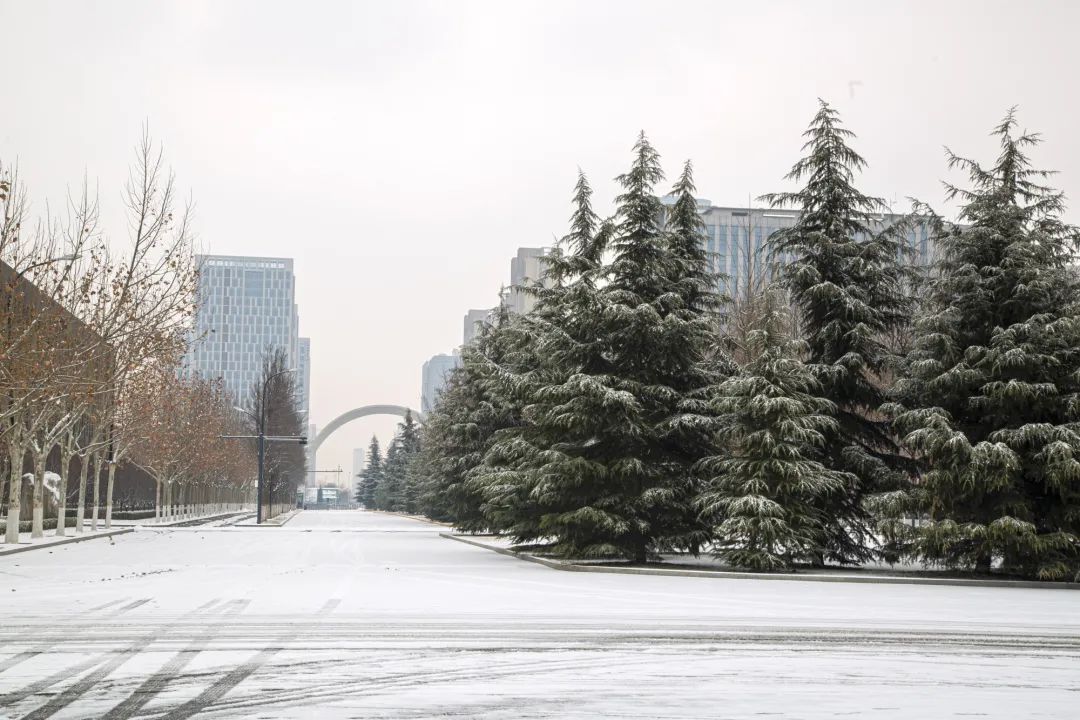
[(433, 378), (246, 308), (736, 241)]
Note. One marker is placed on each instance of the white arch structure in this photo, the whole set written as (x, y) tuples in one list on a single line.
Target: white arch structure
[(355, 414)]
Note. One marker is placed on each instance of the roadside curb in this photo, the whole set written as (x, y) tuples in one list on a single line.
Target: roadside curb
[(420, 518), (271, 523), (65, 541), (737, 575), (190, 522)]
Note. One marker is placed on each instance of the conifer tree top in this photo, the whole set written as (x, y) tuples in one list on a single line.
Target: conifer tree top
[(1011, 183), (829, 168)]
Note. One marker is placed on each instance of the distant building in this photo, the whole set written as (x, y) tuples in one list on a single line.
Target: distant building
[(246, 308), (736, 241), (526, 269), (303, 376), (473, 318), (316, 496), (434, 375)]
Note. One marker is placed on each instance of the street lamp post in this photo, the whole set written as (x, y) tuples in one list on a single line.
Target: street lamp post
[(261, 438)]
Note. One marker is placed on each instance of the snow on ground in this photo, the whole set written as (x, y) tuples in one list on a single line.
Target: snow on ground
[(364, 615), (51, 538)]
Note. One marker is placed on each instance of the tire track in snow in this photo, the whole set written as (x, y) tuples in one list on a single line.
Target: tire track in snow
[(93, 610), (106, 658), (239, 674), (45, 647), (153, 685), (131, 606), (411, 678)]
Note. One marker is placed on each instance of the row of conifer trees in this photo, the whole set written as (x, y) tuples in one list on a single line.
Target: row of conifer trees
[(390, 482), (624, 418)]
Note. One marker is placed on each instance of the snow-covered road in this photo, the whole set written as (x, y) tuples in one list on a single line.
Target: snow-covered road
[(361, 615)]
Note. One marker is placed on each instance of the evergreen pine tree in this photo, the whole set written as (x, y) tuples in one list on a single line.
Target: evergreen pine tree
[(660, 328), (459, 431), (601, 462), (395, 493), (370, 476), (846, 280), (390, 493), (991, 393), (764, 491), (546, 472), (693, 325)]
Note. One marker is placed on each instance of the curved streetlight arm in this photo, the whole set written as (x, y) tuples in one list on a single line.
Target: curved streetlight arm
[(246, 412)]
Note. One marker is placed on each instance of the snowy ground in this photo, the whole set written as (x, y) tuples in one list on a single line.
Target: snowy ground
[(360, 615), (50, 538)]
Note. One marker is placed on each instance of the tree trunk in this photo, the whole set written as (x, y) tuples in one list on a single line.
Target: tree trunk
[(61, 505), (157, 500), (80, 511), (37, 527), (11, 534), (97, 491), (109, 495)]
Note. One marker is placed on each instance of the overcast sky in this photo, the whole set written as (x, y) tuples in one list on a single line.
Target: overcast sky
[(402, 151)]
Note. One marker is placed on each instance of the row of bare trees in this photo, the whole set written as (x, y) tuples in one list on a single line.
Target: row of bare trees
[(182, 442), (92, 332)]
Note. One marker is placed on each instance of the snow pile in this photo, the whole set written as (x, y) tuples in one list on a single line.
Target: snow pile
[(52, 484)]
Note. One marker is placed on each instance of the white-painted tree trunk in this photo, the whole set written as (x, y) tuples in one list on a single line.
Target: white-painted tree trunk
[(61, 510), (11, 533), (109, 495), (97, 492), (37, 527), (80, 511)]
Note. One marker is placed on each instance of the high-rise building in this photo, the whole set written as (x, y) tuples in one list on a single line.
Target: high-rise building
[(473, 318), (303, 376), (526, 269), (246, 309), (736, 241), (434, 377)]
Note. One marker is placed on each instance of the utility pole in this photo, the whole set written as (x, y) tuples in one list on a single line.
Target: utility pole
[(262, 438)]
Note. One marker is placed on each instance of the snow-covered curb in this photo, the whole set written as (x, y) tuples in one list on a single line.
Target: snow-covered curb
[(419, 518), (149, 523), (53, 541), (737, 575), (276, 521)]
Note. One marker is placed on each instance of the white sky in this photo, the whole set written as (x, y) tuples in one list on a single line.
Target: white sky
[(402, 151)]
